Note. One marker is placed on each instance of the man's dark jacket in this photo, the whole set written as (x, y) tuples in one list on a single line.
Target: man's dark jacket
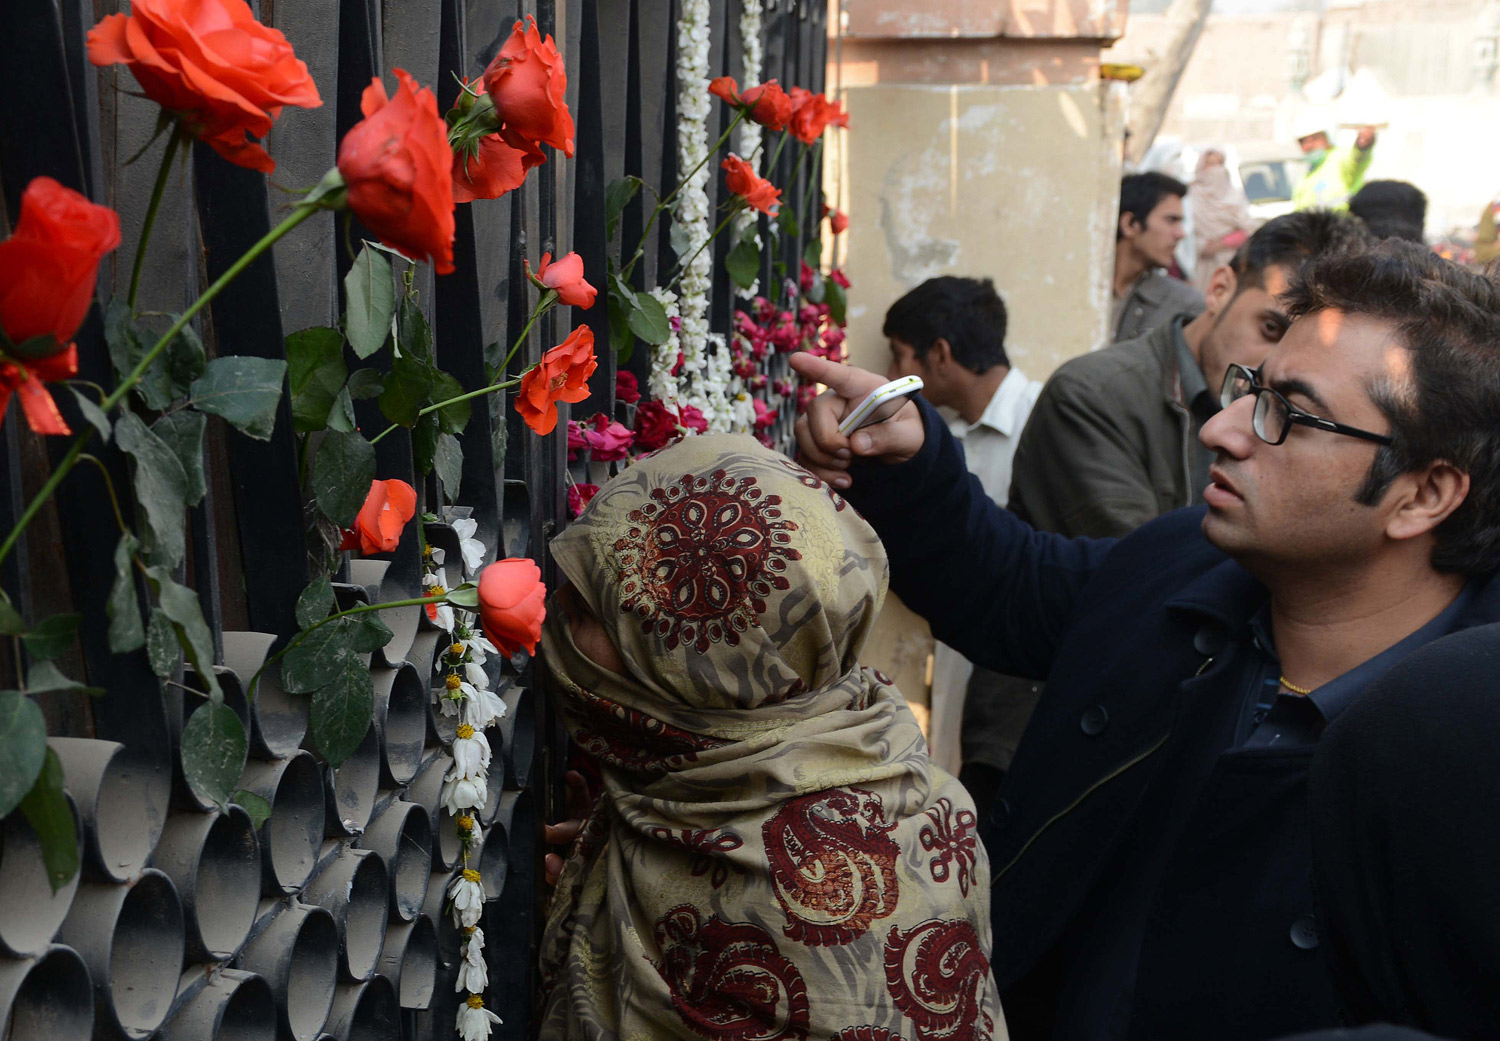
[(1138, 640), (1110, 443)]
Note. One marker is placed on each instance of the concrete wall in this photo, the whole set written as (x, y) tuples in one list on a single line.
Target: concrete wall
[(983, 144)]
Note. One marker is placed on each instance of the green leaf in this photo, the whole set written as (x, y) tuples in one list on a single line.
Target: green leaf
[(181, 605), (341, 416), (621, 339), (182, 432), (160, 488), (424, 439), (11, 622), (244, 391), (162, 649), (314, 660), (126, 632), (47, 811), (315, 602), (213, 752), (616, 197), (368, 633), (681, 238), (838, 301), (466, 595), (93, 413), (812, 254), (370, 299), (23, 747), (185, 358), (649, 320), (453, 417), (787, 218), (413, 332), (45, 677), (342, 710), (449, 463), (316, 373), (51, 636), (743, 262), (407, 390), (365, 383), (258, 809), (342, 472), (127, 346)]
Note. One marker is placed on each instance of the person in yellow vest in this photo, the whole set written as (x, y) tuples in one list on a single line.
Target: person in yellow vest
[(1334, 174)]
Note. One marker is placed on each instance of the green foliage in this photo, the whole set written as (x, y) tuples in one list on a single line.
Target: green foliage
[(787, 219), (181, 607), (407, 391), (342, 711), (452, 418), (370, 301), (341, 475), (243, 391), (47, 811), (126, 631), (213, 751), (182, 432), (838, 301), (649, 319), (448, 459), (365, 384), (168, 376), (46, 678), (161, 488), (743, 262), (316, 374), (23, 747), (616, 197), (162, 650), (93, 413), (51, 636), (315, 602), (258, 809)]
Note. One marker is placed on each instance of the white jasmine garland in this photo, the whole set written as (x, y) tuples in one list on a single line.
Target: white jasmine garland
[(473, 975), (483, 708), (474, 1020), (470, 548), (471, 752), (691, 209), (750, 135), (661, 382), (464, 793)]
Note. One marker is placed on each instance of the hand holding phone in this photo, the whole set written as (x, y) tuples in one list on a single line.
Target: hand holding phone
[(880, 404)]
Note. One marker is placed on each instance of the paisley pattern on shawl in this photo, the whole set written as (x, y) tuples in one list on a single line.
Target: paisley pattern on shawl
[(774, 857)]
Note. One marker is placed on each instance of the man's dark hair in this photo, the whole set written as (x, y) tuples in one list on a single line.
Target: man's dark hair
[(1291, 240), (967, 312), (1446, 408), (1140, 193), (1391, 209)]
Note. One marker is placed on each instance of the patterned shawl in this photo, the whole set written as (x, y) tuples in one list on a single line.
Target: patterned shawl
[(774, 856)]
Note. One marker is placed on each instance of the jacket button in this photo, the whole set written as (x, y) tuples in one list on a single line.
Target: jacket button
[(1305, 932), (1094, 720), (1209, 640)]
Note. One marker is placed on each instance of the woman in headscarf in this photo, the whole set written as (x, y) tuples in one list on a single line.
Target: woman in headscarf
[(1221, 216), (773, 855), (1403, 795)]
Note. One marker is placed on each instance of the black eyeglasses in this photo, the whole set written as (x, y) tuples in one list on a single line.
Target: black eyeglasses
[(1274, 415)]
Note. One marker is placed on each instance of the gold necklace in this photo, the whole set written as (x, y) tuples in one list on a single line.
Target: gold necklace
[(1289, 685)]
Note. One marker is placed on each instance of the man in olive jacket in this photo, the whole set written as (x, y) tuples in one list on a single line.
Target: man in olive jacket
[(1113, 439), (1150, 848)]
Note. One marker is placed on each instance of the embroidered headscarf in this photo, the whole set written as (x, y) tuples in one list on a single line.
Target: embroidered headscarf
[(773, 856)]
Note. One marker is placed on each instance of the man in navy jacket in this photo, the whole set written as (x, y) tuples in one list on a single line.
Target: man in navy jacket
[(1149, 848)]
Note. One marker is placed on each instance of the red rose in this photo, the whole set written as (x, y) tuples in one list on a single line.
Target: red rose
[(655, 426), (387, 509), (49, 266), (498, 167), (527, 83), (512, 604), (210, 63), (25, 378), (757, 192), (766, 104), (561, 375), (838, 276), (627, 389), (691, 418), (838, 221), (565, 278), (812, 114), (608, 441), (579, 496), (399, 170)]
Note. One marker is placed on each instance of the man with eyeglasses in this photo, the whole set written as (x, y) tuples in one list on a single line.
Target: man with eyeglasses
[(1150, 846)]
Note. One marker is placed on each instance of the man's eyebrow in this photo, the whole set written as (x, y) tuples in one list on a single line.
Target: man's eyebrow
[(1287, 387)]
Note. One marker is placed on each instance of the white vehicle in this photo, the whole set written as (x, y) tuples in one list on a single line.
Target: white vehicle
[(1267, 172)]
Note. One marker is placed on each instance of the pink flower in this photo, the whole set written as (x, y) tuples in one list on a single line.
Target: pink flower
[(576, 443), (608, 441), (564, 276), (692, 419), (806, 277), (765, 417), (579, 496), (838, 276)]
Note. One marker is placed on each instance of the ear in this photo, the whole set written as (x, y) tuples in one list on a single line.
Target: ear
[(940, 353), (1129, 226), (1430, 497), (1222, 285)]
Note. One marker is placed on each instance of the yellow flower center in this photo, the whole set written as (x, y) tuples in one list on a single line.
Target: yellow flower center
[(453, 682), (426, 551), (457, 650), (475, 1001), (558, 382), (469, 930), (465, 823), (471, 874), (465, 731), (437, 591)]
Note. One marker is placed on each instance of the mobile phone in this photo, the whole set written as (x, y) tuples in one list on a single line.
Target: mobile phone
[(882, 403)]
